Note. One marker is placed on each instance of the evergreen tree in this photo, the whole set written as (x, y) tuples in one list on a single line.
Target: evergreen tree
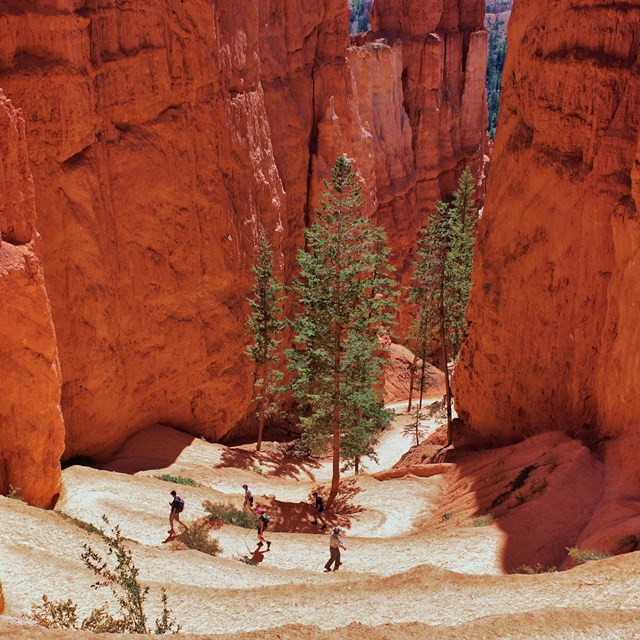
[(442, 278), (495, 64), (344, 295), (266, 326)]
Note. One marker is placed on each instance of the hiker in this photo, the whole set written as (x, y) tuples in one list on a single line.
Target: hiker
[(177, 505), (262, 523), (319, 513), (335, 544), (248, 498)]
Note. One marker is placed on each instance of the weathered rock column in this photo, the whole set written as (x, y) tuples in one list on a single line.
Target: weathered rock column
[(31, 427)]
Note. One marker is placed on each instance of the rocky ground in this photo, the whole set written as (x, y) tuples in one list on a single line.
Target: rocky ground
[(431, 548)]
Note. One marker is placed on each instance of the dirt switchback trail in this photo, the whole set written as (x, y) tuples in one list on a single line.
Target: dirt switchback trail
[(415, 560)]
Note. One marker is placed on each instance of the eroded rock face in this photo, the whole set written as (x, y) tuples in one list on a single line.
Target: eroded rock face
[(30, 418), (163, 134), (554, 335)]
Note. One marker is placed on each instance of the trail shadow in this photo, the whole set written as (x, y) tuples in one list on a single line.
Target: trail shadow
[(278, 463), (297, 517), (246, 433), (540, 492), (154, 448)]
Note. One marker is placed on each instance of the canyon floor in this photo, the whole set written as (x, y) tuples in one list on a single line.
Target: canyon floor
[(418, 564)]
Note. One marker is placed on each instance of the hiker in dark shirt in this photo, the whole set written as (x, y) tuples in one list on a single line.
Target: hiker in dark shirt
[(177, 505), (262, 522), (319, 510)]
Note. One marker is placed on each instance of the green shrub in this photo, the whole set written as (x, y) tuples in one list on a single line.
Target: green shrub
[(119, 573), (483, 521), (218, 512), (178, 480), (81, 524), (259, 470), (535, 569), (580, 556), (446, 516), (197, 537)]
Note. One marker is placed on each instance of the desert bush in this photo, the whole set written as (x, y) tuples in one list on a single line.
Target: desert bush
[(81, 524), (446, 516), (119, 573), (535, 569), (483, 521), (259, 470), (197, 537), (580, 556), (167, 477), (55, 615), (15, 493), (218, 512)]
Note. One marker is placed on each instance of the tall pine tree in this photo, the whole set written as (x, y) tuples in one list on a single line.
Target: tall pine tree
[(344, 296), (442, 278), (266, 326)]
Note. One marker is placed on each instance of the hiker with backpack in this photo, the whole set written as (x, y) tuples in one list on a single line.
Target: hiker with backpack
[(177, 506), (335, 544), (248, 498), (319, 510), (262, 523)]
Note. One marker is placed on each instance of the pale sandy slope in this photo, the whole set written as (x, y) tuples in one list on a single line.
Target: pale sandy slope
[(403, 566)]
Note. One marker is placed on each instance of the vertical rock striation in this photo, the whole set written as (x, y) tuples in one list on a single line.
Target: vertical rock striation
[(163, 134), (30, 419), (554, 337)]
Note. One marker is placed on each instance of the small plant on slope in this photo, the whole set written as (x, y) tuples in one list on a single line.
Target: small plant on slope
[(483, 521), (217, 512), (119, 573), (535, 569), (580, 556), (178, 480), (197, 537)]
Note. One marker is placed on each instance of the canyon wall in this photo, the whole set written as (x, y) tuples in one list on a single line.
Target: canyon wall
[(163, 134), (554, 338), (30, 418)]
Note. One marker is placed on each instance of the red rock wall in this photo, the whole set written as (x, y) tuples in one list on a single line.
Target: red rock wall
[(30, 418), (163, 133), (554, 338)]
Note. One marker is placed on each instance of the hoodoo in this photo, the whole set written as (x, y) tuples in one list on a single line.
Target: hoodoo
[(162, 137), (554, 336), (31, 427)]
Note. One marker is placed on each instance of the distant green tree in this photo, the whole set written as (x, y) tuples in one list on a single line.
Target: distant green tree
[(495, 65), (442, 278), (266, 325), (344, 296)]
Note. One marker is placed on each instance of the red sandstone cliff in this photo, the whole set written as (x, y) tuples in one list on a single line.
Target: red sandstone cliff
[(31, 427), (554, 335), (163, 133)]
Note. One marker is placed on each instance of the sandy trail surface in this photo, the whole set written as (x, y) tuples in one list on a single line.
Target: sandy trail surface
[(409, 564)]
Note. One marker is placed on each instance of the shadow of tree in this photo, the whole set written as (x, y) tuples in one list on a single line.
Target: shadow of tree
[(297, 517), (277, 463)]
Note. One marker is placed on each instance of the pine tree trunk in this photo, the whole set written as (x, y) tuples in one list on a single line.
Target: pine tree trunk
[(422, 376), (412, 379), (263, 408), (445, 358), (261, 422), (447, 385), (335, 476)]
